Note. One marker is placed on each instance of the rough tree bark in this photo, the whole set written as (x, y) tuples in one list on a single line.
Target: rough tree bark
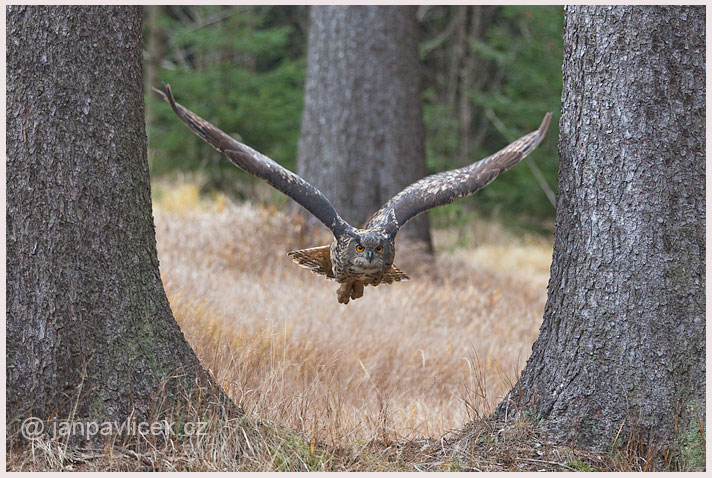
[(622, 344), (88, 322), (362, 135)]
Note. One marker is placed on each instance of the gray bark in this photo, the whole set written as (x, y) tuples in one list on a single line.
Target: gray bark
[(88, 322), (622, 344), (362, 135)]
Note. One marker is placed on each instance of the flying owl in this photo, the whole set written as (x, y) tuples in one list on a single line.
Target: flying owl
[(360, 256)]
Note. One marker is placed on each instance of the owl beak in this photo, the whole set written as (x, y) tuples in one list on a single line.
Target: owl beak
[(369, 255)]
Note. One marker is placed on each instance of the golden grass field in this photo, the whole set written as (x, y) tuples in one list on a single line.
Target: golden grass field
[(402, 379), (413, 359)]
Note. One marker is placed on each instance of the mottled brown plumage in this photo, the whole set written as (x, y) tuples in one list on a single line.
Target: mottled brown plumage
[(353, 268), (361, 257)]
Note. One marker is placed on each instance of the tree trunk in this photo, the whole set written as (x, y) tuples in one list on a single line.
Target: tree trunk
[(89, 329), (362, 136), (622, 344)]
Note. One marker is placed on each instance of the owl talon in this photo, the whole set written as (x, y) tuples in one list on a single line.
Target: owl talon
[(344, 293), (357, 290)]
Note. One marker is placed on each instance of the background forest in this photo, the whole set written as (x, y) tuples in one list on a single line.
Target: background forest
[(485, 82)]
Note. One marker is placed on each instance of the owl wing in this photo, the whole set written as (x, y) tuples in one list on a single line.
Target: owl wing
[(261, 166), (317, 259), (444, 188), (394, 275)]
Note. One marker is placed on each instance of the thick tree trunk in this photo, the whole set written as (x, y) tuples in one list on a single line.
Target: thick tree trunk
[(89, 329), (362, 136), (622, 345)]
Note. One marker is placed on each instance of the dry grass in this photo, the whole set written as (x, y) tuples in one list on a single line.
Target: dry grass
[(369, 386), (415, 359), (401, 380)]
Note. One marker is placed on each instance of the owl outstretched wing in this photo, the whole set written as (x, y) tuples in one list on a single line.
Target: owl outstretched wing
[(261, 166), (444, 188)]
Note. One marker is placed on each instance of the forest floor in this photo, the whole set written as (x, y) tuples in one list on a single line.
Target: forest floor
[(412, 359), (401, 379)]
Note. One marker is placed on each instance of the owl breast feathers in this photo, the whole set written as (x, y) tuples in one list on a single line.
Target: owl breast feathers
[(360, 257)]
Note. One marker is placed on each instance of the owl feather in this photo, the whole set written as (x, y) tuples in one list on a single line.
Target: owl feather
[(318, 259)]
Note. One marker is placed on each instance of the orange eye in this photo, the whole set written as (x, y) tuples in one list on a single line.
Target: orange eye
[(359, 248), (379, 249)]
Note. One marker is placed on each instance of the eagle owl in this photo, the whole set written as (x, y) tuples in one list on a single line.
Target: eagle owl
[(360, 257)]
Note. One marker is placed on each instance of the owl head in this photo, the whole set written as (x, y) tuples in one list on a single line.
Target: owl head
[(369, 251)]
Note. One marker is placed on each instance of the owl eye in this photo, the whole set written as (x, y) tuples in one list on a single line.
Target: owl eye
[(379, 249), (359, 248)]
